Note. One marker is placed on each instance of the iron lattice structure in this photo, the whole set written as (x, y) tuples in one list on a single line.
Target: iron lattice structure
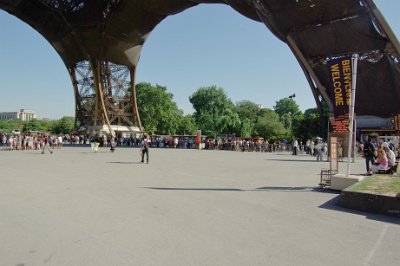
[(100, 42), (113, 96)]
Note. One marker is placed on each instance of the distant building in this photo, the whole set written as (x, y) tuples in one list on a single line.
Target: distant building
[(23, 114)]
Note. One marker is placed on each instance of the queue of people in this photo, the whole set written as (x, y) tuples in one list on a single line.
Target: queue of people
[(21, 142)]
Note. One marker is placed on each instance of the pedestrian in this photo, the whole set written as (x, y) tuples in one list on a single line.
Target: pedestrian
[(94, 143), (340, 152), (144, 148), (369, 154), (112, 144), (46, 144), (319, 149), (295, 147)]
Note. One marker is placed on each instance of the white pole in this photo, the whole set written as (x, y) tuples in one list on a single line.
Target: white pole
[(354, 61), (355, 139)]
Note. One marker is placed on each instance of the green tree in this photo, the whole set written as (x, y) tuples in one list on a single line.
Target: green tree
[(290, 115), (246, 128), (313, 124), (269, 126), (286, 106), (33, 125), (248, 109), (186, 125), (7, 126), (214, 111), (248, 112), (64, 126), (158, 112)]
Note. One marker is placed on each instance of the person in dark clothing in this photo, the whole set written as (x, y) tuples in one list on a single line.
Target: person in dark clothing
[(144, 148), (369, 154)]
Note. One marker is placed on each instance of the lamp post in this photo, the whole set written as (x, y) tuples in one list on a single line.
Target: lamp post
[(290, 115)]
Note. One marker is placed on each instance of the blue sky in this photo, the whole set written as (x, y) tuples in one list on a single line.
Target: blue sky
[(203, 46)]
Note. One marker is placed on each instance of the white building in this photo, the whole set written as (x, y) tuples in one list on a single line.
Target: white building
[(23, 114)]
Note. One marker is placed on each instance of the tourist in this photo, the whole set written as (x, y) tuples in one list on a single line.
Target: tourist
[(381, 162), (295, 146), (390, 154), (46, 144), (318, 148), (369, 154), (340, 152), (144, 148)]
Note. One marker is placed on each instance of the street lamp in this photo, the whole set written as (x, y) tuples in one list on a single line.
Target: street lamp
[(290, 114)]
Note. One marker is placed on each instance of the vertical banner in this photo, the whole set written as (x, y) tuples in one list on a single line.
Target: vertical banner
[(340, 77)]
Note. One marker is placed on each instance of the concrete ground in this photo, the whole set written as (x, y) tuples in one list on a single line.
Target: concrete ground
[(187, 207)]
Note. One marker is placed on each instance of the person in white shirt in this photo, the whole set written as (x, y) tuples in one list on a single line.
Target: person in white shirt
[(390, 154), (295, 147), (319, 149)]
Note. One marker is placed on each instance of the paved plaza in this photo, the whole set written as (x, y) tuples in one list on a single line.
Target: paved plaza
[(187, 207)]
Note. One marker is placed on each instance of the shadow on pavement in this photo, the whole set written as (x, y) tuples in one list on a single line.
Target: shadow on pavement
[(282, 188), (296, 160), (286, 188), (126, 162), (196, 189), (333, 205)]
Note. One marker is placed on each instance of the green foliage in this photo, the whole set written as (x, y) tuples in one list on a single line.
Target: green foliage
[(290, 115), (248, 110), (37, 125), (7, 126), (309, 127), (42, 125), (269, 126), (186, 125), (246, 129), (286, 106), (214, 111), (63, 126), (158, 112)]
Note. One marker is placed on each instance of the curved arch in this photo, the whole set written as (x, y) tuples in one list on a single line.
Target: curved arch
[(316, 32)]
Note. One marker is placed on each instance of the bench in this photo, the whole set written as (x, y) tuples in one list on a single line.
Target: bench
[(388, 170)]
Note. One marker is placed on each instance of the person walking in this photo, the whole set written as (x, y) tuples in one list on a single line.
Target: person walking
[(46, 144), (94, 143), (295, 147), (144, 148)]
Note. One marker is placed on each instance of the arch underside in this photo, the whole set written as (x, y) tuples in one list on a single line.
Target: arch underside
[(112, 32)]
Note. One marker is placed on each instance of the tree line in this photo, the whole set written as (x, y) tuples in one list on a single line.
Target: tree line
[(214, 114), (65, 125)]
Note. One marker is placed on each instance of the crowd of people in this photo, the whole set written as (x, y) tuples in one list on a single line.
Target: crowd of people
[(15, 142), (379, 157), (36, 142)]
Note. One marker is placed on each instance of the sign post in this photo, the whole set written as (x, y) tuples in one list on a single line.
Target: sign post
[(333, 154), (354, 61)]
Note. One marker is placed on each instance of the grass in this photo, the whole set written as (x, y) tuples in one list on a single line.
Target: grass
[(379, 184)]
